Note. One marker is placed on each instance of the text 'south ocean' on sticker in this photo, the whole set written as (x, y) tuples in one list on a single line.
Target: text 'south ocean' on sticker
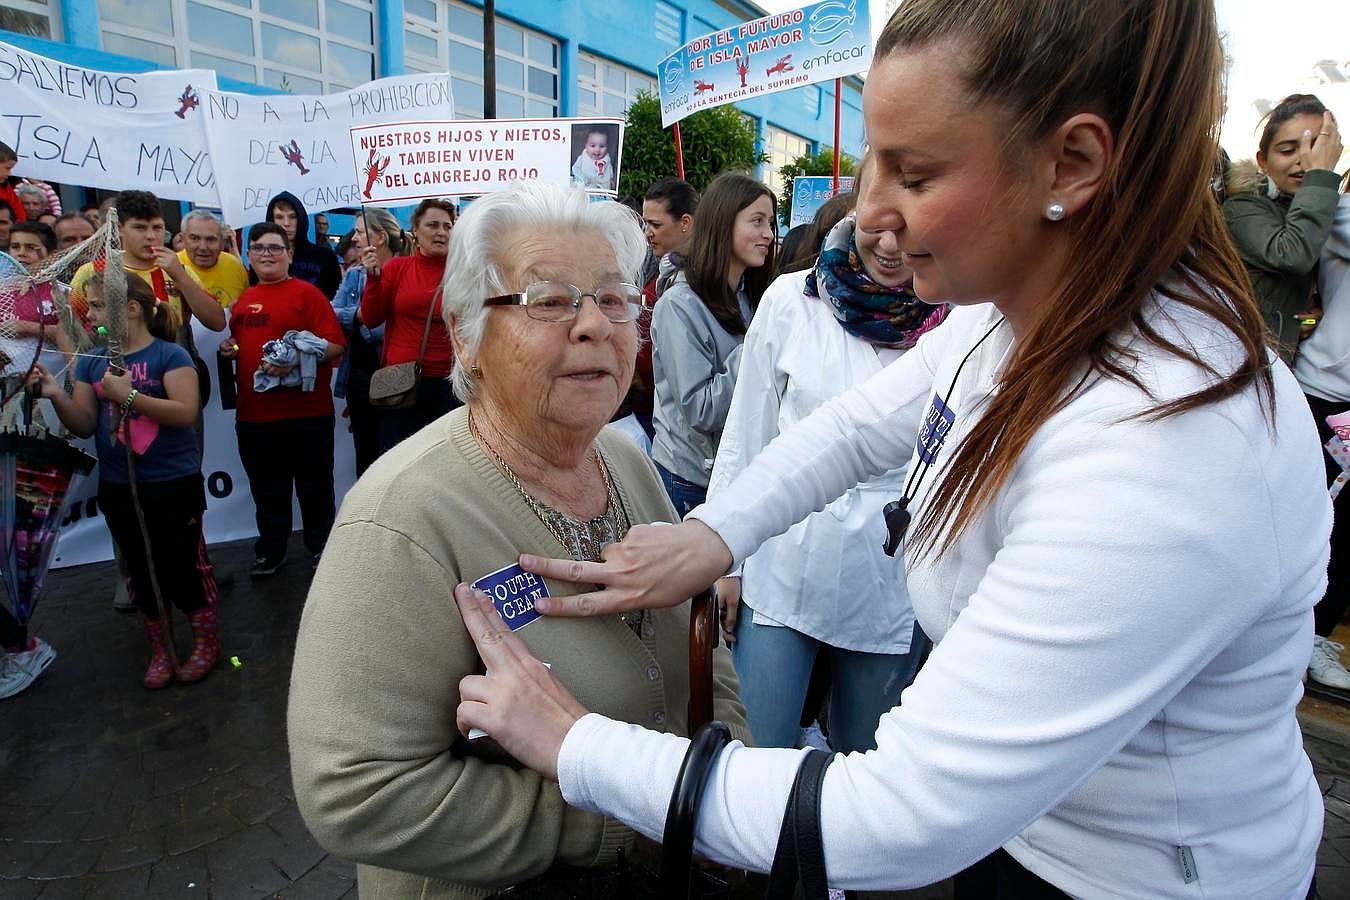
[(513, 592)]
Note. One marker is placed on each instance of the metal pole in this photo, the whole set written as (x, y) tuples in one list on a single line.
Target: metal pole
[(489, 59), (838, 89), (679, 153)]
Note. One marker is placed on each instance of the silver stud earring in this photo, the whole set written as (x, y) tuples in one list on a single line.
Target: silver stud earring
[(1054, 212)]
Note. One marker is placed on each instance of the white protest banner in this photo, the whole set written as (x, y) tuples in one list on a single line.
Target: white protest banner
[(406, 161), (229, 506), (278, 142), (113, 130), (818, 42), (809, 193)]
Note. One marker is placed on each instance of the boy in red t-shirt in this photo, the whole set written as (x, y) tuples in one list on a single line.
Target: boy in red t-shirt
[(285, 433)]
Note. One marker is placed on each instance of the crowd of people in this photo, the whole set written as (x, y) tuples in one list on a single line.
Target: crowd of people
[(1084, 367)]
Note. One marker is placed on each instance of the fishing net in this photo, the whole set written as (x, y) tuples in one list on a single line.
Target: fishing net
[(44, 321)]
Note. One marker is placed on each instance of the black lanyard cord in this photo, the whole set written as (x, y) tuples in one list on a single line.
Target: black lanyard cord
[(897, 512)]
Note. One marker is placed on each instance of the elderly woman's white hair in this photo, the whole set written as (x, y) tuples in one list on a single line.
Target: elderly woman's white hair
[(477, 245)]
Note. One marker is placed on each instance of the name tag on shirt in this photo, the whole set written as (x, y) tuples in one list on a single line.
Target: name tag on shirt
[(513, 592), (937, 423)]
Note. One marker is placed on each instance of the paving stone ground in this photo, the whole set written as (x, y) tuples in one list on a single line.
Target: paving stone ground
[(108, 790)]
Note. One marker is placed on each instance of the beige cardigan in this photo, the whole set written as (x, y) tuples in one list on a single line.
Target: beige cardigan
[(382, 775)]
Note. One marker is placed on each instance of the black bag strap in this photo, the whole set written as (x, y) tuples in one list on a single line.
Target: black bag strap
[(677, 844), (801, 850)]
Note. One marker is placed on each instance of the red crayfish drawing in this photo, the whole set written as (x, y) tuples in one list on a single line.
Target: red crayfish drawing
[(742, 68), (701, 86), (784, 64), (373, 170), (294, 156), (187, 101)]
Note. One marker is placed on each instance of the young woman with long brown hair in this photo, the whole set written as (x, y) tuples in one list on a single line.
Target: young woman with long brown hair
[(1120, 522), (699, 326)]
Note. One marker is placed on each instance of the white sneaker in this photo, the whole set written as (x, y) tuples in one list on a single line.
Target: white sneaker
[(1325, 666), (19, 670)]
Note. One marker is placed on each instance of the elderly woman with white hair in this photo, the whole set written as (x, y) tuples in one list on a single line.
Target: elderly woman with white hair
[(541, 305)]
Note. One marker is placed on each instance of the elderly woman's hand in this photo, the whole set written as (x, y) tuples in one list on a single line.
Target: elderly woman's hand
[(654, 566), (518, 703)]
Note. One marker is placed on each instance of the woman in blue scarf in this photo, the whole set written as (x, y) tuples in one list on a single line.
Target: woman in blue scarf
[(825, 586)]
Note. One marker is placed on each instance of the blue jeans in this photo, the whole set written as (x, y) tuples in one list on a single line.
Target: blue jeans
[(684, 495), (774, 666)]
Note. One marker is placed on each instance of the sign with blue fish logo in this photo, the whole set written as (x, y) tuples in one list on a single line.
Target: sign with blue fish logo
[(809, 193), (819, 42), (833, 21)]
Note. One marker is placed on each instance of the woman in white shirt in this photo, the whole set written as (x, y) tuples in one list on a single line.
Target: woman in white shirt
[(1323, 368), (1120, 522), (826, 586)]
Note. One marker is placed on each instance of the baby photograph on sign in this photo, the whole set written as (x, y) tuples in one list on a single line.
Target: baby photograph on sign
[(595, 147)]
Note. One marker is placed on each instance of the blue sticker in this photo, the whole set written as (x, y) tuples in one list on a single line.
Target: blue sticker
[(513, 592), (936, 425)]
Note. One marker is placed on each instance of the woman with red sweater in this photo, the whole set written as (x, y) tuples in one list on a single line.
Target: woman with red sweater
[(399, 294)]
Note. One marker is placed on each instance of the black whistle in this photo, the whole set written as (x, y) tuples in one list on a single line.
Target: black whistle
[(897, 523)]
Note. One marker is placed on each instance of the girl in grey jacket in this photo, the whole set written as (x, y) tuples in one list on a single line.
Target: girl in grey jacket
[(698, 327)]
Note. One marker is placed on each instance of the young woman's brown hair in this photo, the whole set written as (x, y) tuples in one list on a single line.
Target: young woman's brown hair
[(1152, 69), (828, 216), (709, 257), (158, 317)]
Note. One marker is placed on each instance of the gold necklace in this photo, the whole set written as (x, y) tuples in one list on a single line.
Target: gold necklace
[(611, 495)]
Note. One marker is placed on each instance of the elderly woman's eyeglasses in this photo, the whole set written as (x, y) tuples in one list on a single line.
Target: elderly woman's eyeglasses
[(558, 301)]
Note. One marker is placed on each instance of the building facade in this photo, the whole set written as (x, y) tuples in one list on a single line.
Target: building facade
[(554, 57)]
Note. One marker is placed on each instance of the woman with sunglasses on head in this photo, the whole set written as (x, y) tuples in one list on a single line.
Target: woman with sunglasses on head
[(698, 328), (540, 302), (1119, 520)]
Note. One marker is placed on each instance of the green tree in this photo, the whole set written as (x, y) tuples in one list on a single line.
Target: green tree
[(821, 163), (715, 140)]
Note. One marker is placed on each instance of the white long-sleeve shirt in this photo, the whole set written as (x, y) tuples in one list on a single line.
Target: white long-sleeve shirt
[(1323, 362), (1121, 640), (827, 576)]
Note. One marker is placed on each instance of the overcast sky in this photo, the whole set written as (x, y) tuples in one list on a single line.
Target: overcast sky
[(1273, 45)]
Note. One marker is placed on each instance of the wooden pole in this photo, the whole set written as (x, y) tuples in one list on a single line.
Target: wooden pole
[(838, 89), (679, 153)]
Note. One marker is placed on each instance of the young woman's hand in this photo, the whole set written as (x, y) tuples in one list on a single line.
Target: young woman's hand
[(116, 387), (654, 566), (229, 348), (728, 606), (42, 381), (1323, 149)]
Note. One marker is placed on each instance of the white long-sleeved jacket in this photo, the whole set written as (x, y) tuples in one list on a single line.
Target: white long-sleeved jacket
[(826, 576), (1323, 361), (1121, 640)]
